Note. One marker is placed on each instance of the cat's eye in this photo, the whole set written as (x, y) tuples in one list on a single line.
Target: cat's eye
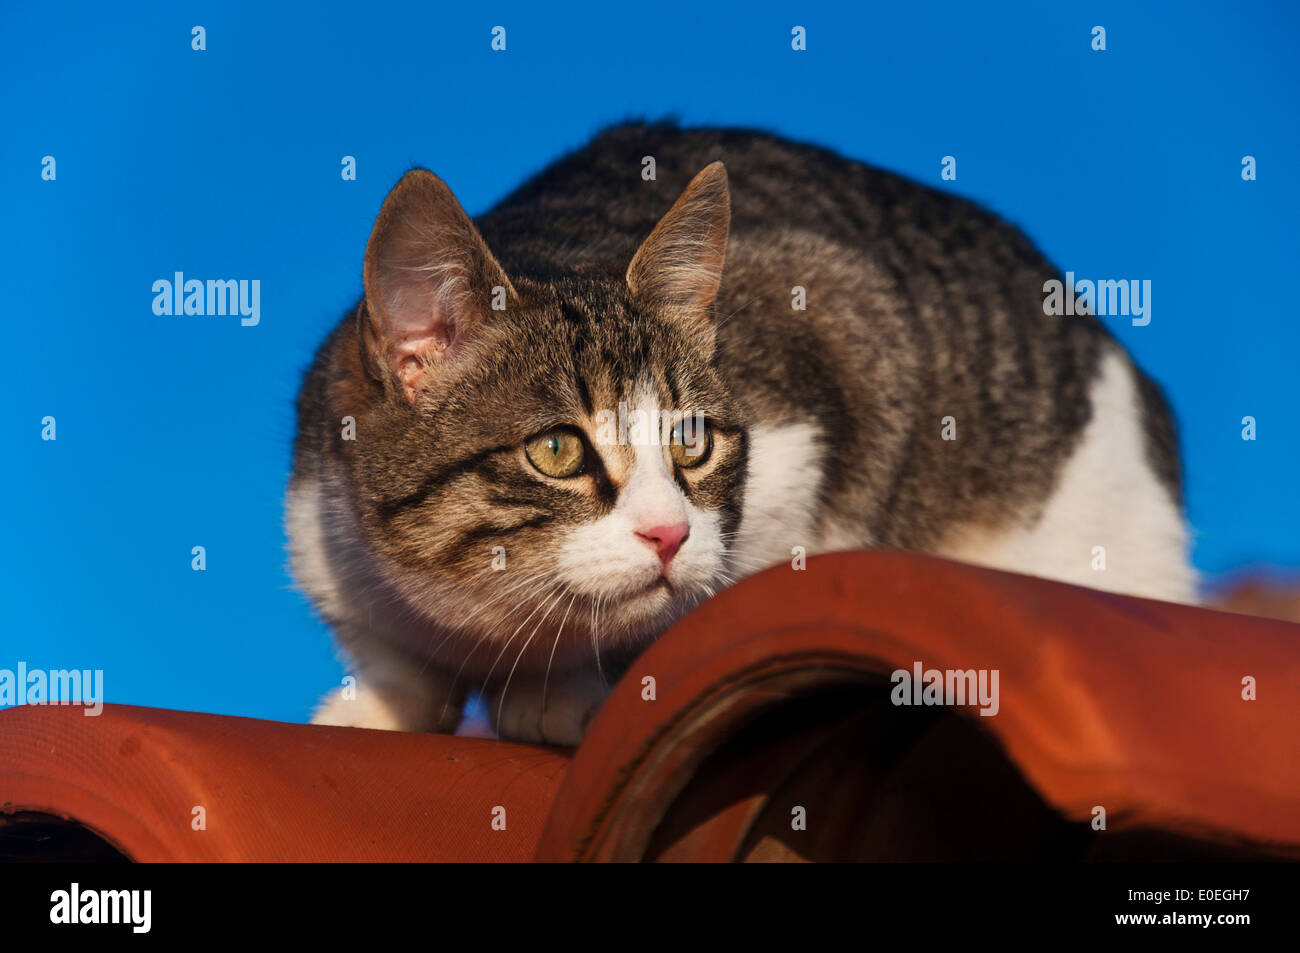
[(690, 442), (557, 453)]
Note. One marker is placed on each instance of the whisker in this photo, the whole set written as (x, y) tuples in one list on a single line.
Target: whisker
[(514, 635), (547, 680), (501, 701), (479, 644), (463, 625), (595, 642)]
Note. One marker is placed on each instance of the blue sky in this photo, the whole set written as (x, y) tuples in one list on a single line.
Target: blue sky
[(175, 431)]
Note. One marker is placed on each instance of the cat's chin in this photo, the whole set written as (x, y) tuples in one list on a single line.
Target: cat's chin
[(647, 612)]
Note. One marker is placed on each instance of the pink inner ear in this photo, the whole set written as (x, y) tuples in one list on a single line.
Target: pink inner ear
[(426, 267), (416, 326)]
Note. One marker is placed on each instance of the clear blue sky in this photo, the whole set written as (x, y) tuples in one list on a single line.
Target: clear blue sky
[(175, 431)]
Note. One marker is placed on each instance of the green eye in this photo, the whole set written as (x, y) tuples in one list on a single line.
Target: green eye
[(557, 453), (690, 443)]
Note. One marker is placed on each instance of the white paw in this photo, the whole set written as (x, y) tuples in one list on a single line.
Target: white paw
[(572, 700), (414, 707)]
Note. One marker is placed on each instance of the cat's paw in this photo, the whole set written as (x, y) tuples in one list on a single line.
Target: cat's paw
[(571, 701), (389, 708)]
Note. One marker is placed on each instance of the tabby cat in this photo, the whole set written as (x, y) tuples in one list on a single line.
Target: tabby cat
[(545, 434)]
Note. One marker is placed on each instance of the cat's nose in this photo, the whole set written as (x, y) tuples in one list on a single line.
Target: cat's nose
[(666, 540)]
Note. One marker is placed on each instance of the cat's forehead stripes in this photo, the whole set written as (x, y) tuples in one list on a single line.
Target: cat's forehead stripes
[(626, 419)]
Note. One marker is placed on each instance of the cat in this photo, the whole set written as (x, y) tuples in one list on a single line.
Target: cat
[(485, 527)]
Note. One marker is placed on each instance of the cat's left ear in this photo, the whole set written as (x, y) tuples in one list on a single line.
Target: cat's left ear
[(430, 280), (679, 267)]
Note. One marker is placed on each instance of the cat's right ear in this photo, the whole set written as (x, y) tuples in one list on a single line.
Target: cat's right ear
[(429, 280)]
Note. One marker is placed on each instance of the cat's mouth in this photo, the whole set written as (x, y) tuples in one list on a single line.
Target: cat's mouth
[(655, 585), (646, 604), (652, 604), (647, 598)]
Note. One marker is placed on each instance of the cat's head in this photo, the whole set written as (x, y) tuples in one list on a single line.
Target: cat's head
[(550, 458)]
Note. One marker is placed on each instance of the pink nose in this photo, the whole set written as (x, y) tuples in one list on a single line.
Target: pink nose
[(666, 540)]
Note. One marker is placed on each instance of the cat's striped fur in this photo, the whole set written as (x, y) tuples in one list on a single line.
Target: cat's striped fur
[(827, 423)]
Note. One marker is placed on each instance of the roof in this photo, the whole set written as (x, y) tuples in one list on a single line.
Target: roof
[(772, 734)]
